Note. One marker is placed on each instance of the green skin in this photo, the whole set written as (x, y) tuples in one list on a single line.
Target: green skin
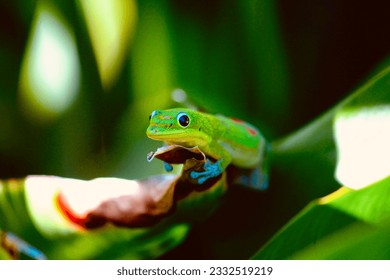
[(229, 141)]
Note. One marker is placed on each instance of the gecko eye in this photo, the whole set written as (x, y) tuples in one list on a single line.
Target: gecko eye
[(183, 119)]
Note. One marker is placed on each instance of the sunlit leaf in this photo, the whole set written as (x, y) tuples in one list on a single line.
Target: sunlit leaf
[(327, 220), (60, 206), (362, 134), (351, 138), (50, 73), (153, 214), (111, 26)]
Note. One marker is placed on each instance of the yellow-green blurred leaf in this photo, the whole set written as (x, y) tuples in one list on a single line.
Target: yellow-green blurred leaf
[(111, 26)]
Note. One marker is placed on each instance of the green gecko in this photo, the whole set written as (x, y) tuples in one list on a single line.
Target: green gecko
[(227, 140)]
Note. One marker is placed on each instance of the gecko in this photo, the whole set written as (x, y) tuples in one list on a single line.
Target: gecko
[(226, 140)]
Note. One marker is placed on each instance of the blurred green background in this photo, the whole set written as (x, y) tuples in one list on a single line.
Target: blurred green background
[(78, 80)]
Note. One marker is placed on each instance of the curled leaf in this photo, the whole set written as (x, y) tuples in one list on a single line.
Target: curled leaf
[(62, 205), (153, 201), (157, 196), (177, 154)]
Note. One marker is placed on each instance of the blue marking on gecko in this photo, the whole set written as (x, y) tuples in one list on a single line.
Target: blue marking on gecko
[(168, 167), (211, 170)]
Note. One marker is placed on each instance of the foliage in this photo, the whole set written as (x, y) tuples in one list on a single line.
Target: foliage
[(79, 82)]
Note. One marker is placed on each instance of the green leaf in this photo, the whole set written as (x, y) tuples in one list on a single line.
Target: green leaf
[(330, 142), (325, 224), (362, 134), (111, 26), (4, 255), (308, 159), (261, 33)]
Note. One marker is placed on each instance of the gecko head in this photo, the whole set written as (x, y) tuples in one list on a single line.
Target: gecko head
[(178, 126)]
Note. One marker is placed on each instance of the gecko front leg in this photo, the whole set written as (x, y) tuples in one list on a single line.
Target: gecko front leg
[(167, 167), (212, 170)]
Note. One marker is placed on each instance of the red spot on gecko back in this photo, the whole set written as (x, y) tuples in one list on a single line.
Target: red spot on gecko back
[(251, 130), (237, 120)]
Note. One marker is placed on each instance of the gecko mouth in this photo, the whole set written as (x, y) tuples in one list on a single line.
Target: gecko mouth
[(156, 135)]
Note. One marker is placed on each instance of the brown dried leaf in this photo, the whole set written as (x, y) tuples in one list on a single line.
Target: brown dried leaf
[(153, 201), (177, 154), (157, 196)]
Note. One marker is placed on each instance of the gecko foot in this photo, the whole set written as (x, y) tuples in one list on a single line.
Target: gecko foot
[(211, 170), (167, 167)]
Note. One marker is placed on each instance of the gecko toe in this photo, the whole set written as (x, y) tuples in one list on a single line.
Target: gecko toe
[(167, 167)]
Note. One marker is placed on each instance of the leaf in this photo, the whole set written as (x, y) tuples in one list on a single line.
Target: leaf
[(46, 90), (16, 247), (261, 33), (351, 137), (362, 134), (152, 215), (319, 229), (151, 228), (4, 255), (111, 26), (63, 205)]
